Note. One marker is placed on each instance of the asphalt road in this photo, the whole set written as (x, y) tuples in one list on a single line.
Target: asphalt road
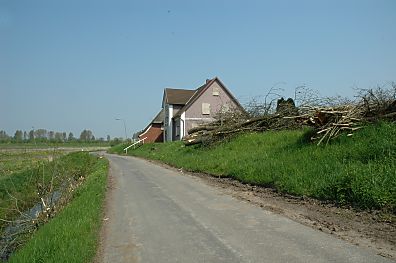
[(159, 215)]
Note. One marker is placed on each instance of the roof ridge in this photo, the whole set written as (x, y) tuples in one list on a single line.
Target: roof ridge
[(202, 87), (178, 89), (197, 94), (177, 96)]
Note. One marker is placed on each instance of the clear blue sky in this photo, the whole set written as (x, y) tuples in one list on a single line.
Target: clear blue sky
[(74, 65)]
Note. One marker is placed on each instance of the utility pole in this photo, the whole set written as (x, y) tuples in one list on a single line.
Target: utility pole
[(120, 119)]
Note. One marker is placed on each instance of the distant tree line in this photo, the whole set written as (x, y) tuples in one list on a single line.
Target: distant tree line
[(44, 136)]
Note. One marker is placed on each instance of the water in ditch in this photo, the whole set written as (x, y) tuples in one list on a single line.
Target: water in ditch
[(23, 224)]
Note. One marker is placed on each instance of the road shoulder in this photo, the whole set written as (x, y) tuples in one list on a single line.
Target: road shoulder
[(370, 230), (103, 234)]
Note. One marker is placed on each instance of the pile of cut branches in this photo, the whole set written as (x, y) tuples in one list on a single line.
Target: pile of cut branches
[(227, 127), (328, 122)]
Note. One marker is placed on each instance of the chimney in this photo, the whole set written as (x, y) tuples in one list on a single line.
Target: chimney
[(207, 81)]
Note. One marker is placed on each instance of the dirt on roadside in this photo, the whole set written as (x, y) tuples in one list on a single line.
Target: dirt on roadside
[(369, 229)]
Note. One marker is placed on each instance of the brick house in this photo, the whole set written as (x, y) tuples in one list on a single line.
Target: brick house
[(154, 131), (185, 109)]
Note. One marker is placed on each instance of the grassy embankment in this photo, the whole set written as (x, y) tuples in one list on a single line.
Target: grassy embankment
[(358, 171), (72, 235)]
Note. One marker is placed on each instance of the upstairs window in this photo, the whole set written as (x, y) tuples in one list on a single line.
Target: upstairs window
[(215, 91), (205, 108)]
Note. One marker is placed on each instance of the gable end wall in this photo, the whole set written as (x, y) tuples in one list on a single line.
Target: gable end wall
[(194, 114)]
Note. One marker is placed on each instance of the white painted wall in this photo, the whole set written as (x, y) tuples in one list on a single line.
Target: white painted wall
[(169, 127), (182, 125)]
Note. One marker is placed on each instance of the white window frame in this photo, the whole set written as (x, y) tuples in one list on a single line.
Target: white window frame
[(215, 91), (205, 108)]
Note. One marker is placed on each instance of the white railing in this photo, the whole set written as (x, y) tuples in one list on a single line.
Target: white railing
[(134, 144)]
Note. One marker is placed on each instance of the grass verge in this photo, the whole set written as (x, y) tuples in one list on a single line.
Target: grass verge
[(358, 171), (23, 175), (72, 235)]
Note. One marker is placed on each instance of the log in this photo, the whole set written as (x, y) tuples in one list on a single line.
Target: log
[(202, 128), (193, 141)]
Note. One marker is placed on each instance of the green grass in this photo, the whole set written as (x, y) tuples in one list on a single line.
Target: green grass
[(18, 161), (72, 235), (47, 144), (19, 173), (27, 170), (119, 148), (76, 227), (358, 171), (21, 185)]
